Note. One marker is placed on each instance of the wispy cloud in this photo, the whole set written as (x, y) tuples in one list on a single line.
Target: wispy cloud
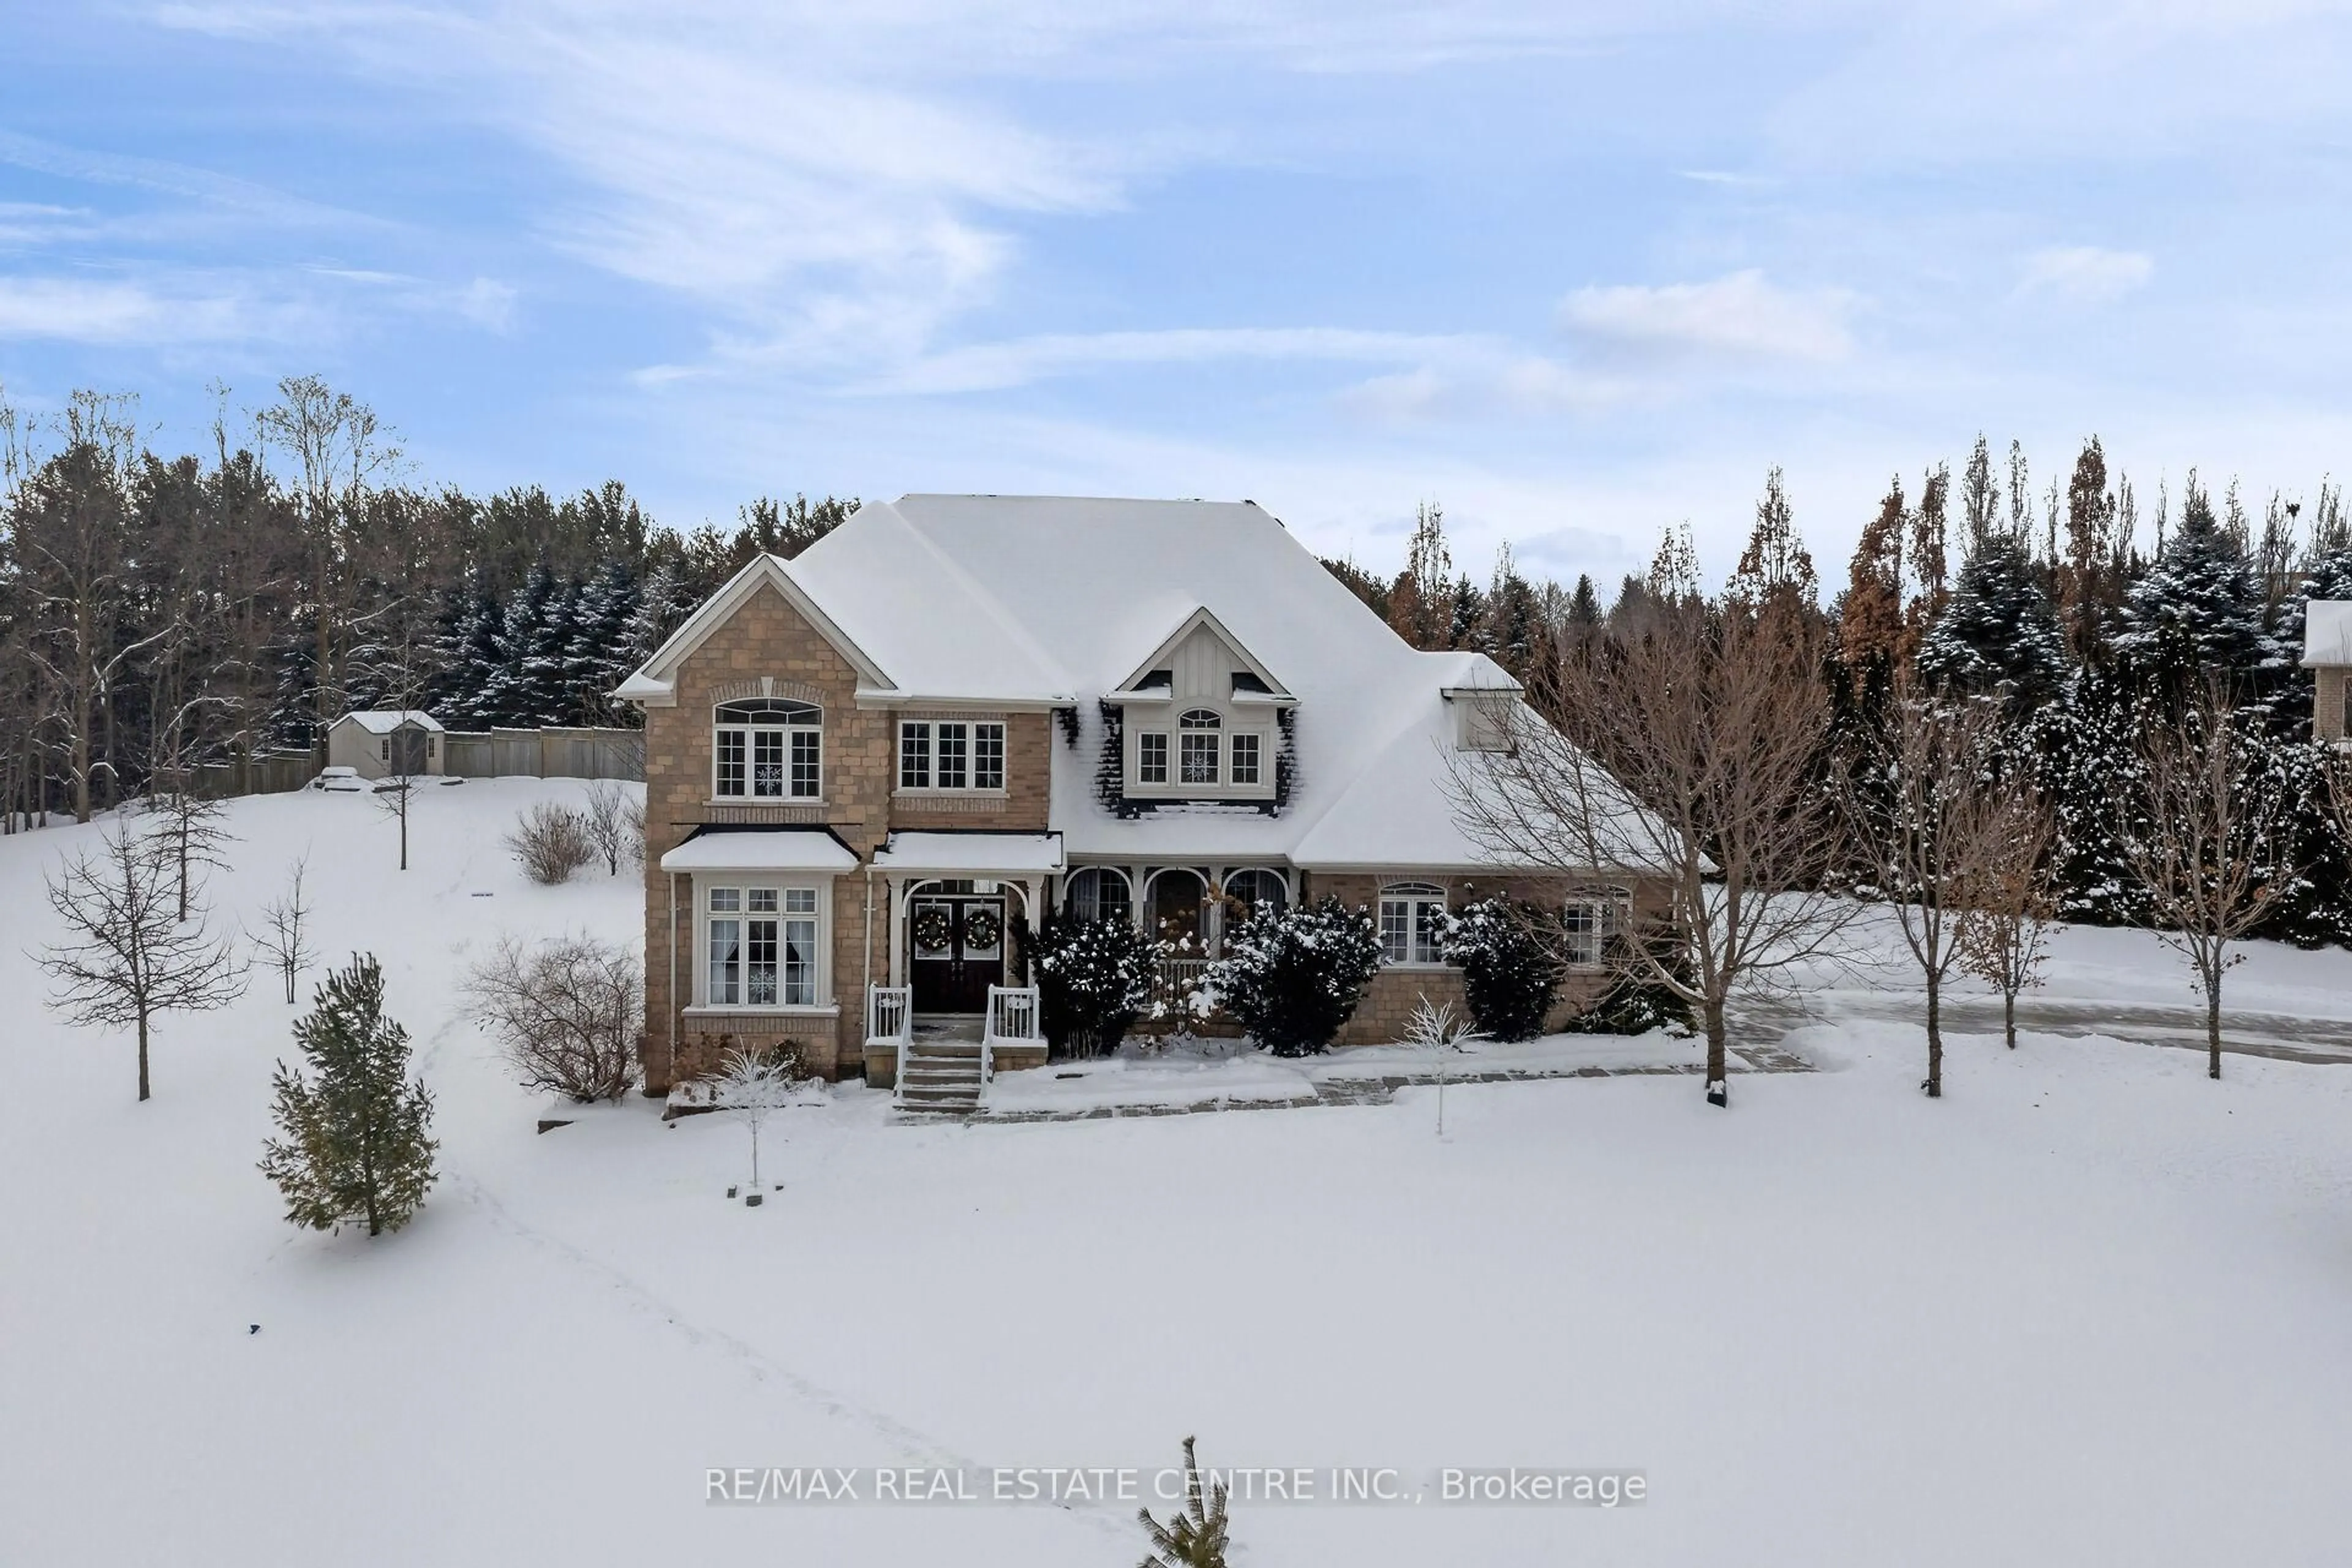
[(111, 312), (2086, 273), (1740, 313)]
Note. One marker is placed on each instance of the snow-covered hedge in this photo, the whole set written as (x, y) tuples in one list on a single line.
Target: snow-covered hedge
[(1094, 980), (1509, 973), (1291, 977)]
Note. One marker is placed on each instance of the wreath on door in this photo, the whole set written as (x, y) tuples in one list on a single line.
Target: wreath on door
[(933, 929), (981, 929)]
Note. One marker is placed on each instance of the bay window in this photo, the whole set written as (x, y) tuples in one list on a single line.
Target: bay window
[(761, 947)]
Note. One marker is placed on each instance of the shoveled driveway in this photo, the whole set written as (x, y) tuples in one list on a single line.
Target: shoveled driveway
[(2280, 1037)]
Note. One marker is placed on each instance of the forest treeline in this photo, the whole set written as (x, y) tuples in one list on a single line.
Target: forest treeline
[(2086, 610), (162, 613)]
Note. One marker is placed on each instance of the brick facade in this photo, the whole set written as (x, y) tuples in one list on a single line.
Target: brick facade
[(766, 639), (767, 646)]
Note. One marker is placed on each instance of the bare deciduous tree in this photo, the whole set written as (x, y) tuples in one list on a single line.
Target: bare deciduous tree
[(126, 955), (2213, 840), (2009, 900), (565, 1013), (1688, 753), (188, 824), (284, 937), (754, 1087), (611, 817), (1927, 802)]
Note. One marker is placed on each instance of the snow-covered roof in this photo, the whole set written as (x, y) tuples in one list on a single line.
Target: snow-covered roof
[(719, 848), (2328, 631), (1055, 601), (385, 720), (958, 852)]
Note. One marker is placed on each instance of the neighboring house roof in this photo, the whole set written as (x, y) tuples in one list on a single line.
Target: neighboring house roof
[(383, 721), (2327, 632), (726, 849)]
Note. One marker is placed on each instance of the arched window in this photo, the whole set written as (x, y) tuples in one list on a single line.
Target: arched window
[(1413, 923), (1196, 743), (1178, 903), (767, 748), (1593, 916), (1100, 893), (1254, 891)]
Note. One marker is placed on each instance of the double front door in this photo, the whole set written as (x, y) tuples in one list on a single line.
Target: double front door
[(957, 951)]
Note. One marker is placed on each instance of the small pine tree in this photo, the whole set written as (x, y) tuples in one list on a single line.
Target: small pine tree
[(1292, 977), (355, 1145), (1196, 1536)]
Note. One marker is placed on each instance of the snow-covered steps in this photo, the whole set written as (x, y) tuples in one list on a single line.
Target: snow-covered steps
[(942, 1077)]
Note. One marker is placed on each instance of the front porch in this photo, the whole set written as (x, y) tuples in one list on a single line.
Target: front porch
[(951, 1010)]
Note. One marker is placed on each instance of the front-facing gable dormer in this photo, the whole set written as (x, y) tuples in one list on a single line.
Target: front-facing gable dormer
[(655, 685), (1203, 720)]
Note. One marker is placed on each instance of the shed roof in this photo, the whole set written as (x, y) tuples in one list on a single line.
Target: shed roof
[(385, 720)]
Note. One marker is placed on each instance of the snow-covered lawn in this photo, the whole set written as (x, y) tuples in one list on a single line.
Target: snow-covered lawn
[(2090, 1308)]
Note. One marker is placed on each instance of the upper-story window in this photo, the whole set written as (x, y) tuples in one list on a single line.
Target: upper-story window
[(938, 753), (1152, 758), (1197, 744), (768, 748)]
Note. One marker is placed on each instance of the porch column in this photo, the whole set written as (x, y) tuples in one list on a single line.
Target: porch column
[(897, 930)]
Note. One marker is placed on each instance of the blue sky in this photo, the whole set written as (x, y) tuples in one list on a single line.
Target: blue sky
[(1577, 272)]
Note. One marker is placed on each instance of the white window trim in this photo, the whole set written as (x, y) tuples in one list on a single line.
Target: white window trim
[(899, 787), (1414, 896), (1617, 904), (827, 1003), (1126, 880), (750, 747)]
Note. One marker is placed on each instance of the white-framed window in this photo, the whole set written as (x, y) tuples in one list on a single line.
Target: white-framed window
[(959, 755), (760, 946), (1197, 734), (767, 748), (1592, 916), (1244, 750), (1486, 720), (383, 748), (1152, 758), (1100, 893), (1412, 923)]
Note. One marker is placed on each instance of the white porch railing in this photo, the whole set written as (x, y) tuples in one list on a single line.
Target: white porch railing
[(890, 1021), (1012, 1017)]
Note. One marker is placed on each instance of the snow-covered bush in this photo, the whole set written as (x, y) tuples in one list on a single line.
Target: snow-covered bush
[(564, 1012), (1633, 1005), (1291, 977), (1094, 980), (1509, 973), (551, 842)]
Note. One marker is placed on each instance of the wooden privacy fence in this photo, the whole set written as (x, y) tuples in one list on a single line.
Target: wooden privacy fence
[(265, 773), (544, 753), (465, 754)]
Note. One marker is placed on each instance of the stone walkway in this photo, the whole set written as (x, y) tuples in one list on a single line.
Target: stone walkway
[(1371, 1088)]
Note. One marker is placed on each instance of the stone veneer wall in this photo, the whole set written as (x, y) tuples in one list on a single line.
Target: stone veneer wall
[(766, 637), (2327, 702)]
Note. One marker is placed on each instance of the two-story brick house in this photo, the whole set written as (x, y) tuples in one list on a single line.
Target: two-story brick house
[(864, 765)]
